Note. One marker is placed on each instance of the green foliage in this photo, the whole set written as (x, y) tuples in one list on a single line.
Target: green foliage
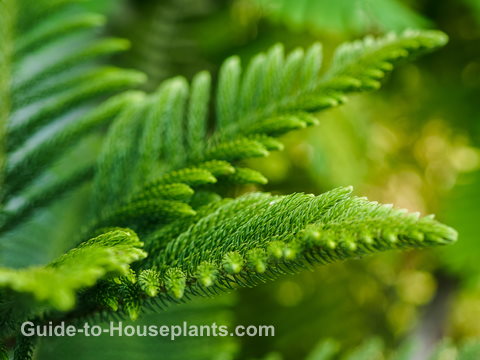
[(230, 247), (24, 348), (54, 103), (275, 94), (57, 283), (169, 165)]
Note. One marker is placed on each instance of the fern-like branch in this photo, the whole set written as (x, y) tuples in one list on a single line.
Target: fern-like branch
[(57, 284)]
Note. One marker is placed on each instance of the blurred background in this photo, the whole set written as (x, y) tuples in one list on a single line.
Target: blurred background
[(415, 144)]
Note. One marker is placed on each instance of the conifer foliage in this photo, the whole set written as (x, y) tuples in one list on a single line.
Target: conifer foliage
[(163, 225)]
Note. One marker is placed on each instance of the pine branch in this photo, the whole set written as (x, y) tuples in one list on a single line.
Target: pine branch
[(275, 94), (24, 348), (48, 31), (257, 237), (275, 86), (107, 83), (23, 169), (161, 167), (37, 95), (55, 285), (44, 196), (8, 10), (287, 95)]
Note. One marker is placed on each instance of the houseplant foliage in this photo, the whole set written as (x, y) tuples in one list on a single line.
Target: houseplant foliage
[(165, 225)]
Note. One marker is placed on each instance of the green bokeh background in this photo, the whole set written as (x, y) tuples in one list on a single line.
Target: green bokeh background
[(415, 144)]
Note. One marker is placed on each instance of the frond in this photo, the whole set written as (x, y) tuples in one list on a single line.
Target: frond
[(275, 94), (217, 245), (168, 162), (257, 237), (56, 284), (48, 106)]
